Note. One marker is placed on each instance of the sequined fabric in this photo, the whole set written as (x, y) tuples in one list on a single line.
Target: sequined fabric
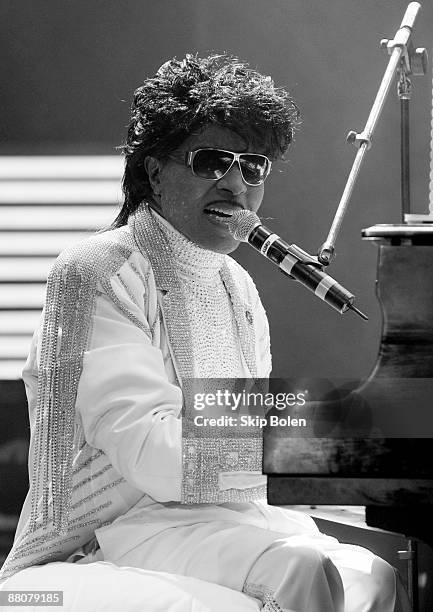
[(191, 278), (209, 342), (205, 458), (69, 307), (265, 595), (71, 483), (73, 487), (214, 340)]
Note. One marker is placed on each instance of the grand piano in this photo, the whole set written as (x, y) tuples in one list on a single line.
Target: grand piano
[(370, 444)]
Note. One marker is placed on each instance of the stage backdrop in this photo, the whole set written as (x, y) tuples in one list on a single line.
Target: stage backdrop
[(69, 69)]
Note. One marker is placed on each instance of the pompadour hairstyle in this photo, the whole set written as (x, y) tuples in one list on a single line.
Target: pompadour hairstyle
[(184, 96)]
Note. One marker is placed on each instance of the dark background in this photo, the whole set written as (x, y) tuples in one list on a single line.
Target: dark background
[(69, 70)]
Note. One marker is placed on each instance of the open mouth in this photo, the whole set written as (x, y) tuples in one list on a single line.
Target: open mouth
[(220, 211)]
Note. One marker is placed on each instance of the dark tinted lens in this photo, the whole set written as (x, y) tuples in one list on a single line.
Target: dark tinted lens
[(254, 168), (211, 164)]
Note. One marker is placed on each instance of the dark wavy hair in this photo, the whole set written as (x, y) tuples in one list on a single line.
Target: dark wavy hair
[(186, 95)]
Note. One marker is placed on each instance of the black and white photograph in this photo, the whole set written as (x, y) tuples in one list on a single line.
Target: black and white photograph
[(216, 306)]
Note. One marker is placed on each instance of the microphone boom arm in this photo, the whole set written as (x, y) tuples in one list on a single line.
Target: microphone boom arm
[(398, 48)]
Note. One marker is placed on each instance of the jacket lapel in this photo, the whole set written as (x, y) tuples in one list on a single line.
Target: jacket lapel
[(152, 242)]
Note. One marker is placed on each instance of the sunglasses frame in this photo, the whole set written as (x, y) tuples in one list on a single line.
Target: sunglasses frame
[(190, 155)]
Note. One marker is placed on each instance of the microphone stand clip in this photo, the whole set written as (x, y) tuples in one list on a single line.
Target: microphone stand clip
[(305, 257), (413, 61)]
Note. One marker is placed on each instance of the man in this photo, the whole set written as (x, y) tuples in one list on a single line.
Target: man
[(131, 316)]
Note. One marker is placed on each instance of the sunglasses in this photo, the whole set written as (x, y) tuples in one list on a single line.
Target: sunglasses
[(213, 164)]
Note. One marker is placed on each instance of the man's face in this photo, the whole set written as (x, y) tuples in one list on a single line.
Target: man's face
[(193, 205)]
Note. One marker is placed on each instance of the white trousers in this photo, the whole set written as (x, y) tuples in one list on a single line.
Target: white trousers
[(292, 569), (290, 576), (311, 572)]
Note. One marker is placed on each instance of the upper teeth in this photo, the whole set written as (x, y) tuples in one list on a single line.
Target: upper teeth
[(220, 210)]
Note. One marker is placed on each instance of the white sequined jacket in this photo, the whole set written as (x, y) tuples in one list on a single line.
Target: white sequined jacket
[(104, 380)]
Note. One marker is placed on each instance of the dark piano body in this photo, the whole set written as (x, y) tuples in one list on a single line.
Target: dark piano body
[(392, 475)]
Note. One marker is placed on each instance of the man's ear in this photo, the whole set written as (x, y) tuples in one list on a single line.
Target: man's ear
[(153, 168)]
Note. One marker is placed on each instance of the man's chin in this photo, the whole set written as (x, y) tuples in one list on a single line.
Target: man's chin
[(230, 249), (223, 246)]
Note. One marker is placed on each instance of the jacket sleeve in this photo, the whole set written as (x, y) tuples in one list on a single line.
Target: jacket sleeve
[(126, 403)]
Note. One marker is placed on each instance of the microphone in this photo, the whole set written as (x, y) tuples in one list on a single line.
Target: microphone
[(244, 225)]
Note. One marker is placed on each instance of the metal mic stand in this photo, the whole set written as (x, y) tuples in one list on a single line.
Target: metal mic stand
[(413, 62), (407, 60)]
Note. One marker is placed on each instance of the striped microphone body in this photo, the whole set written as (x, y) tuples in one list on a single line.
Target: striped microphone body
[(246, 226)]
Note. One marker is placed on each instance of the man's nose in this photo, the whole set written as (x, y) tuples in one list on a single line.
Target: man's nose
[(233, 181)]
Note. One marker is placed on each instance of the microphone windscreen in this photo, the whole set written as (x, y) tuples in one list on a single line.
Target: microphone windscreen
[(242, 223)]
